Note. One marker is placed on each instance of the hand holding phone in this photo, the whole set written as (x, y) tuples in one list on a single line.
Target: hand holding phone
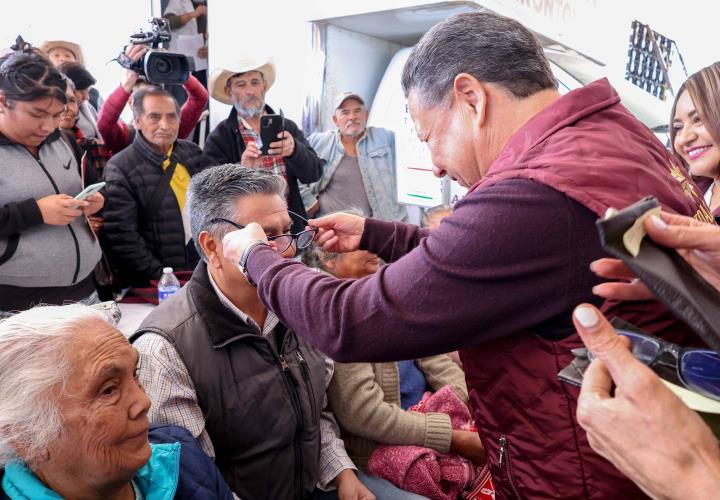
[(89, 191), (270, 128)]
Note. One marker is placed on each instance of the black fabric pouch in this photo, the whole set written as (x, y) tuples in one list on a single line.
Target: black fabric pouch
[(666, 274)]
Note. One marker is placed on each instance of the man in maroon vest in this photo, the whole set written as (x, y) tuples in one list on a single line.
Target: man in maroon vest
[(500, 277)]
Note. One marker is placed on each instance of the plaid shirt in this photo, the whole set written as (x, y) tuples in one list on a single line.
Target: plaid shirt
[(174, 400), (276, 164), (97, 154)]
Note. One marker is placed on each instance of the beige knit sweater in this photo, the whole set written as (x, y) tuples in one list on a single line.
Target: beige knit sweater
[(365, 398)]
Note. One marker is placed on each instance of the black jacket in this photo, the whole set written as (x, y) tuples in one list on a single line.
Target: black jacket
[(139, 244), (226, 145), (261, 397)]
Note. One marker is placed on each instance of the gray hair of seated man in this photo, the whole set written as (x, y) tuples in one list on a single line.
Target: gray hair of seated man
[(34, 362), (214, 192), (488, 46)]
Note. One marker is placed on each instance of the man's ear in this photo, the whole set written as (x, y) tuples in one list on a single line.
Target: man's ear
[(227, 91), (212, 249), (3, 103), (471, 95), (335, 120)]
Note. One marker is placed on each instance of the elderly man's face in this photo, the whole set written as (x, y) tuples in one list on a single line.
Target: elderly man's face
[(159, 122), (104, 411), (449, 135), (247, 92), (59, 55), (351, 118)]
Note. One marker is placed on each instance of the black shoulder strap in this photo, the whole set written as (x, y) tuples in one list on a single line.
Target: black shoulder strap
[(10, 249), (154, 204)]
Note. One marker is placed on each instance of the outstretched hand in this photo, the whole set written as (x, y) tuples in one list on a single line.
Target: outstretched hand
[(339, 232), (642, 428)]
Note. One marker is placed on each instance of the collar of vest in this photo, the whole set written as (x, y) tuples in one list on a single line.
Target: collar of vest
[(570, 108), (223, 327), (55, 135)]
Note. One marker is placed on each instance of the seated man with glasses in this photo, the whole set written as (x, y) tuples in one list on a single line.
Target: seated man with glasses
[(217, 362)]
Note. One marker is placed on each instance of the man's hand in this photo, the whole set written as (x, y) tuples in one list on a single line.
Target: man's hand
[(235, 242), (96, 223), (467, 444), (251, 156), (60, 209), (284, 147), (350, 488), (200, 10), (644, 429), (134, 52), (95, 203), (202, 52), (339, 232)]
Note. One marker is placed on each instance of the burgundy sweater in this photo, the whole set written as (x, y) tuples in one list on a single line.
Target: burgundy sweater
[(465, 283)]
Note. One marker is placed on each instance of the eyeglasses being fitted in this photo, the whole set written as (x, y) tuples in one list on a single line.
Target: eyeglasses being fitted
[(696, 369), (303, 239)]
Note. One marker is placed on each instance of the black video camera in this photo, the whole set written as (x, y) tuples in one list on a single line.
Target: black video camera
[(158, 66)]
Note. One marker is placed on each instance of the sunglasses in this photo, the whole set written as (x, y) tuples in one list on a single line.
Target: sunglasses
[(302, 240), (696, 369)]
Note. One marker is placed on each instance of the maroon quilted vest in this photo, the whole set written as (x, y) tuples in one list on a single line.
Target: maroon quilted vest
[(588, 146)]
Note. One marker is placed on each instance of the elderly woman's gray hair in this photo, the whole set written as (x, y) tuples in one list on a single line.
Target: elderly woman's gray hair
[(315, 256), (490, 47), (34, 363), (214, 192)]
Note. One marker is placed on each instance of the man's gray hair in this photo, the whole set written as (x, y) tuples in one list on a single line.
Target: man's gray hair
[(214, 192), (34, 363), (490, 47)]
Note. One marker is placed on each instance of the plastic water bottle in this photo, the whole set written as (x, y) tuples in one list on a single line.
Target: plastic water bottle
[(168, 285)]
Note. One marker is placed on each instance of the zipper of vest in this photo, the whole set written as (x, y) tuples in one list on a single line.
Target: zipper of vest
[(292, 383), (308, 382), (504, 450), (72, 233)]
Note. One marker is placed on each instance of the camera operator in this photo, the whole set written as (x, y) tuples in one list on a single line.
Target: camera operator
[(116, 133)]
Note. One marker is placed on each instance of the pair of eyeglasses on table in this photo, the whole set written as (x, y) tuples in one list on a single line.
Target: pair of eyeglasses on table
[(302, 240)]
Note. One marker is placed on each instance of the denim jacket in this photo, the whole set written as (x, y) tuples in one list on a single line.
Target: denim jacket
[(376, 158)]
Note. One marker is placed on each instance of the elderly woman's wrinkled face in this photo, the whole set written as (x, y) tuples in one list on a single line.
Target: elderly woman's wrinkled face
[(355, 265), (71, 110), (104, 410)]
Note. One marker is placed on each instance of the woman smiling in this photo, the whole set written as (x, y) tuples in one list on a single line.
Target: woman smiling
[(695, 128)]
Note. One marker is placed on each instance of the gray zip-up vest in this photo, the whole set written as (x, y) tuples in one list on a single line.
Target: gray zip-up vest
[(261, 401), (45, 255)]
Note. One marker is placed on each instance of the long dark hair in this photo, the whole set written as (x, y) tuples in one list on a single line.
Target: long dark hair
[(704, 89), (27, 76)]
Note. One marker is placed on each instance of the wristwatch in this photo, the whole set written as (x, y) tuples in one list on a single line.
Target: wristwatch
[(245, 255)]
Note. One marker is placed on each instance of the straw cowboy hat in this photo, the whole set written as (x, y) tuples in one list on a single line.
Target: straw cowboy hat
[(219, 77), (72, 47)]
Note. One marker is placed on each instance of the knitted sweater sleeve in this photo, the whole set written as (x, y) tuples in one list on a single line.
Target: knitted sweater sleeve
[(362, 408), (440, 371)]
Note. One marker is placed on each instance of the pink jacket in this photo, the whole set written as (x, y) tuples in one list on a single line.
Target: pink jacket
[(425, 471)]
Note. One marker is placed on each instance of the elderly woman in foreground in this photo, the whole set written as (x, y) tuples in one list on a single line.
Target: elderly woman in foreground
[(73, 417)]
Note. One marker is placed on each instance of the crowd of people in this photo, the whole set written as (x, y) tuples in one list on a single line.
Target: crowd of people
[(321, 346)]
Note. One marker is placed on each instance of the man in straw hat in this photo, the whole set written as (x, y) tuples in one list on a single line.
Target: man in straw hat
[(236, 139)]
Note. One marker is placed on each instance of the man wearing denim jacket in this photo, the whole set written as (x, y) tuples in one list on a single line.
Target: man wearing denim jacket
[(359, 165)]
